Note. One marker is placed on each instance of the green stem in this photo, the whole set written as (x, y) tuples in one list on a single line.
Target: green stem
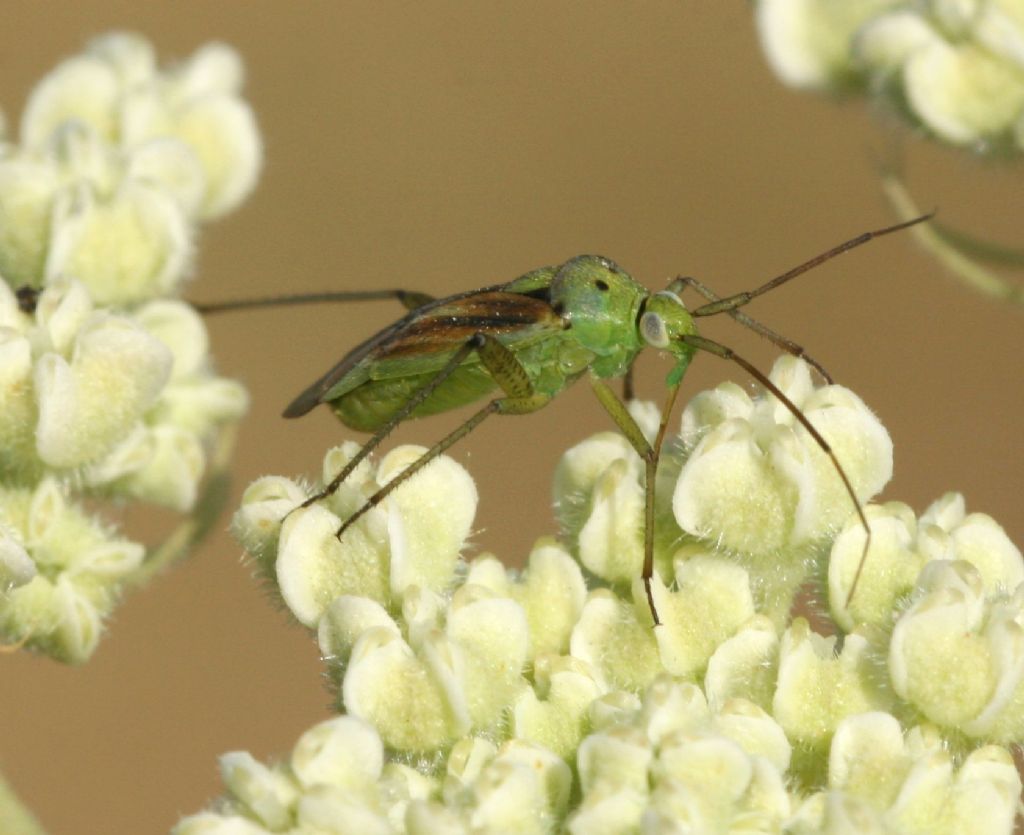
[(947, 248), (993, 253), (15, 818)]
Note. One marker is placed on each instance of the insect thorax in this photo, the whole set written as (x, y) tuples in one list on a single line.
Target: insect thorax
[(601, 302)]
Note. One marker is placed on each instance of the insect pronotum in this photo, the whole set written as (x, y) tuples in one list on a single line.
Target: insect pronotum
[(528, 340)]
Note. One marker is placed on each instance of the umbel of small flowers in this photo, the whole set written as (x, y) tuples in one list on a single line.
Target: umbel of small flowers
[(477, 699), (953, 67), (106, 386)]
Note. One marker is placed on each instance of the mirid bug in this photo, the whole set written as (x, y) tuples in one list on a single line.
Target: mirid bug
[(526, 341)]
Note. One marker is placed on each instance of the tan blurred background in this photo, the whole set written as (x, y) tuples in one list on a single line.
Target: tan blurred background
[(444, 146)]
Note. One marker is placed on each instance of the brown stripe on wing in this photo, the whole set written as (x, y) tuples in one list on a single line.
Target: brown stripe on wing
[(449, 325), (424, 331)]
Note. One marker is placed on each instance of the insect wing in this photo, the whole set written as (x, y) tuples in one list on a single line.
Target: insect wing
[(427, 343), (348, 365), (425, 339)]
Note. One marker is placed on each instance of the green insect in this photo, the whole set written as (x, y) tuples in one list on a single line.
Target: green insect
[(523, 343)]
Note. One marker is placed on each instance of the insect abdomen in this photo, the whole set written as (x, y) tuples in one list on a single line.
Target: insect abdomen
[(551, 364), (369, 406)]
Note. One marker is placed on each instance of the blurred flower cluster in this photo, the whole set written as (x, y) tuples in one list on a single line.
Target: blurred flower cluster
[(107, 391), (475, 698), (953, 67)]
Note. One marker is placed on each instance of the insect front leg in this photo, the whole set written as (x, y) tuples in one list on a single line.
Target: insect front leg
[(726, 353), (520, 399), (628, 387), (650, 455)]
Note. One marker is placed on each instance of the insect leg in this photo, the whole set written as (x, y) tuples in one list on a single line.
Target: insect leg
[(740, 299), (785, 344), (407, 409), (725, 353), (428, 456), (628, 389), (650, 455), (410, 299), (508, 373)]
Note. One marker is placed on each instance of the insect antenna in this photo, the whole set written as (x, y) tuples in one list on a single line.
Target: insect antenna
[(787, 345), (719, 350), (409, 299), (739, 299)]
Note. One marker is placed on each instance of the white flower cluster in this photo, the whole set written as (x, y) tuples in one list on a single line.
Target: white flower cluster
[(955, 67), (106, 387), (62, 571), (662, 762), (118, 403), (479, 699), (118, 162)]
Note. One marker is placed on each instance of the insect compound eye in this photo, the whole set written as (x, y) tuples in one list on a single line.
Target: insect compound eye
[(652, 329)]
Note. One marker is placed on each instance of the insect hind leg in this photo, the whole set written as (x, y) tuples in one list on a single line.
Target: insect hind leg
[(409, 299), (521, 399), (403, 413)]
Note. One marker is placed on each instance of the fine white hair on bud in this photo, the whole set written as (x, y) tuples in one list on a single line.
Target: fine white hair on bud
[(107, 389), (118, 163), (64, 572), (124, 402), (756, 484), (902, 545), (81, 381), (975, 685), (479, 698), (412, 540), (116, 89)]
